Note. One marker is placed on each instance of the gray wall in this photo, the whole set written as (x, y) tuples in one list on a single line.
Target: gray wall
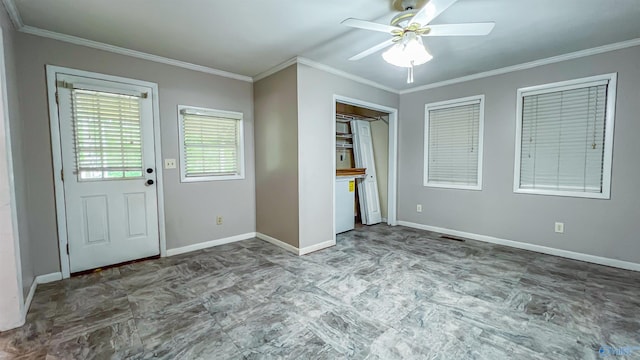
[(190, 208), (316, 155), (11, 297), (276, 143), (607, 228), (17, 151)]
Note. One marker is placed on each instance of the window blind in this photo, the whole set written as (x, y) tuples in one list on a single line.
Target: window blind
[(107, 130), (563, 139), (453, 145), (211, 145)]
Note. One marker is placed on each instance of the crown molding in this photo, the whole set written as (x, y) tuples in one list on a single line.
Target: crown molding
[(128, 52), (529, 65), (14, 14), (322, 67), (16, 19), (344, 74), (275, 69)]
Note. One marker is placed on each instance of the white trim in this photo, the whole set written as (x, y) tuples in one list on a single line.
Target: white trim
[(316, 247), (56, 150), (279, 243), (239, 116), (476, 99), (47, 278), (157, 139), (275, 69), (392, 176), (211, 243), (528, 65), (300, 60), (531, 247), (608, 140), (14, 14), (344, 74), (40, 279), (128, 52), (29, 299)]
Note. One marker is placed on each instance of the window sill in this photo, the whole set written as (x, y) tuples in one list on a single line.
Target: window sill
[(575, 194), (454, 186), (211, 178)]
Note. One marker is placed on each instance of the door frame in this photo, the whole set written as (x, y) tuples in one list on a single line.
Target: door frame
[(56, 150), (392, 176)]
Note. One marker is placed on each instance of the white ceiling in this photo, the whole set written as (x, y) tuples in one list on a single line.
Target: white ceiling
[(250, 37)]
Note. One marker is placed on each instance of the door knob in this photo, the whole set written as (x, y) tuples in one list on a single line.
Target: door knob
[(149, 170), (149, 182)]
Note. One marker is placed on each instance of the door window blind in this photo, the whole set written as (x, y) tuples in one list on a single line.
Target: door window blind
[(107, 131), (563, 139), (211, 145), (453, 146)]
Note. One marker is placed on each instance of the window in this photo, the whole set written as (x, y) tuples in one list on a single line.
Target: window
[(211, 144), (564, 138), (453, 143), (107, 132)]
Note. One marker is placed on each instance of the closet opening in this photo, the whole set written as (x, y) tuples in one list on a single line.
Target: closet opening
[(362, 156)]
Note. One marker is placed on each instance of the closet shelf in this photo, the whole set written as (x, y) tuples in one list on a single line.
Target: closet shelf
[(356, 172), (344, 136), (350, 117)]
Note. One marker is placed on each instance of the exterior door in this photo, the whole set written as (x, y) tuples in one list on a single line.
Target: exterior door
[(108, 157), (367, 187)]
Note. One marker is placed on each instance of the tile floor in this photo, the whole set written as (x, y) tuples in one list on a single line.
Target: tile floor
[(381, 293)]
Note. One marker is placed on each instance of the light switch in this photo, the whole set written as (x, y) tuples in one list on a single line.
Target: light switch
[(169, 163)]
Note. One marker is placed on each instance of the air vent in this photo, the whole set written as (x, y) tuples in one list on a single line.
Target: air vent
[(451, 238)]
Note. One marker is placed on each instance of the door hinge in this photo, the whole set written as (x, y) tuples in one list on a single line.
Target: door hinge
[(67, 248), (57, 99), (62, 174)]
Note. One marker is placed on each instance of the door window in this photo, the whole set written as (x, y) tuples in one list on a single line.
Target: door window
[(108, 135)]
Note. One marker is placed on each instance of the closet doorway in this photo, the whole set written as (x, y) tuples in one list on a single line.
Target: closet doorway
[(365, 164)]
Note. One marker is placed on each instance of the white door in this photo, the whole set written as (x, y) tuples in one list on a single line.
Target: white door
[(367, 187), (106, 133)]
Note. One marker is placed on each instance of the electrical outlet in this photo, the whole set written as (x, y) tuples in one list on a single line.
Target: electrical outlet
[(559, 227), (219, 220), (169, 163), (419, 208)]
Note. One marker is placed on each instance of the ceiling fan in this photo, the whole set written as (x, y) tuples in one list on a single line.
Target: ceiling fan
[(407, 29)]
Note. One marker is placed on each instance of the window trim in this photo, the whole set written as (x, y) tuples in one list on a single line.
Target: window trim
[(212, 112), (608, 140), (448, 104)]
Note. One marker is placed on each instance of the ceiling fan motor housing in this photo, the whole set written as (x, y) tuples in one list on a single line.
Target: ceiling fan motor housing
[(403, 5)]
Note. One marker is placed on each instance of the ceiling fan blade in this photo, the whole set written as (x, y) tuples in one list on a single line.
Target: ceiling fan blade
[(472, 29), (368, 25), (371, 50), (431, 10)]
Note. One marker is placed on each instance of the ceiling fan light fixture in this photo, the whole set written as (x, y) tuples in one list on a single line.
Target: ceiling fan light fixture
[(413, 53)]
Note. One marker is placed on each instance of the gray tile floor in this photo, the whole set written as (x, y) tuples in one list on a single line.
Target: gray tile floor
[(381, 293)]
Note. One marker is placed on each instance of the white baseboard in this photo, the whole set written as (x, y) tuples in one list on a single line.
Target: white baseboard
[(279, 243), (40, 279), (29, 299), (532, 247), (316, 247), (47, 278), (293, 249), (208, 244)]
